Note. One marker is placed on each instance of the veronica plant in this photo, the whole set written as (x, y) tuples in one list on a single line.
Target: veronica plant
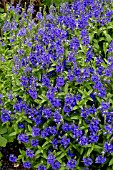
[(56, 85)]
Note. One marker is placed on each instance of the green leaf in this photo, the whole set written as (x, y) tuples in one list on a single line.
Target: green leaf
[(44, 155), (30, 128), (3, 130), (36, 166), (75, 107), (62, 155), (105, 46), (1, 155), (51, 69), (102, 38), (96, 46), (82, 102), (81, 151), (47, 2), (90, 150), (98, 147), (108, 37), (0, 163), (66, 88), (58, 153), (9, 138), (47, 142), (89, 92), (13, 134), (29, 121), (76, 117), (22, 152), (111, 162), (37, 152), (62, 168), (37, 156), (3, 141)]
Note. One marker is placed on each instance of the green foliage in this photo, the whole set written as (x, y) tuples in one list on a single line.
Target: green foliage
[(56, 2)]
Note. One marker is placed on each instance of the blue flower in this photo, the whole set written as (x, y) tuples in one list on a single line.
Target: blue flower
[(45, 81), (84, 141), (59, 82), (89, 55), (34, 142), (74, 44), (12, 158), (1, 96), (33, 93), (27, 165), (47, 113), (50, 159), (42, 167), (21, 125), (57, 117), (71, 163), (65, 127), (22, 32), (70, 154), (65, 141), (29, 153), (35, 131), (87, 161), (100, 159), (67, 108), (5, 116), (23, 138), (55, 142), (56, 165), (108, 147)]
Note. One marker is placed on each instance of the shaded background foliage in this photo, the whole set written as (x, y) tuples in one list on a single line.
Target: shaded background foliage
[(37, 4)]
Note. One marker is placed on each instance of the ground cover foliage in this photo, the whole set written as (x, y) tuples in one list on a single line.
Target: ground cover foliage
[(56, 92)]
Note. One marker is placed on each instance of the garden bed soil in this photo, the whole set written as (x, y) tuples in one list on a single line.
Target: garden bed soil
[(11, 148)]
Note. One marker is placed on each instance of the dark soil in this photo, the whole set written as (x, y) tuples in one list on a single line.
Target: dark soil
[(11, 148)]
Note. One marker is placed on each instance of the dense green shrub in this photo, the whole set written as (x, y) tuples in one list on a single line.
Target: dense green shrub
[(56, 75)]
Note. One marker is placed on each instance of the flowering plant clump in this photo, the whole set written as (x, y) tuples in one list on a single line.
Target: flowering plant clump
[(56, 75)]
